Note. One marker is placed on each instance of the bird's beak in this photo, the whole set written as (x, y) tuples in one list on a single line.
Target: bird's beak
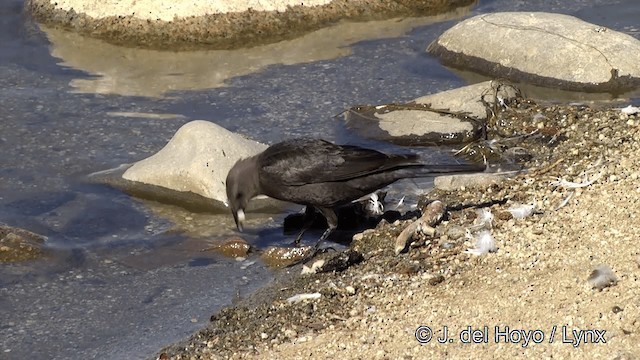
[(239, 218)]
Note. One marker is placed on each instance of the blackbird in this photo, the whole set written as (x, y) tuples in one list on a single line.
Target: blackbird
[(322, 175)]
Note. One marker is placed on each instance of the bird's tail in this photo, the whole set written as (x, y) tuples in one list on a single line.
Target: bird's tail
[(438, 169)]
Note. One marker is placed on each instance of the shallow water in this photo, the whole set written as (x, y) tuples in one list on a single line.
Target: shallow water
[(125, 276)]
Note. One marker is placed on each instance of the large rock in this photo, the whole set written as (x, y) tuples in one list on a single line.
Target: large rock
[(545, 49), (221, 24), (190, 170), (450, 117)]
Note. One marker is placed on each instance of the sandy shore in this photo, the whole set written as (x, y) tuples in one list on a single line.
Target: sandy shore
[(535, 284)]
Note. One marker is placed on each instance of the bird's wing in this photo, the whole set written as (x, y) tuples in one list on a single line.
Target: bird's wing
[(308, 161)]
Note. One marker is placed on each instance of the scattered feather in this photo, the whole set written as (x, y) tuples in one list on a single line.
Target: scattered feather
[(484, 243), (405, 205), (246, 264), (630, 110), (301, 297), (520, 211), (601, 277), (306, 270), (374, 205), (501, 101), (565, 201), (484, 219), (573, 185), (400, 202)]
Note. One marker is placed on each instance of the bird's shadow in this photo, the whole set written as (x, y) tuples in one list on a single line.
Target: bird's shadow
[(352, 219)]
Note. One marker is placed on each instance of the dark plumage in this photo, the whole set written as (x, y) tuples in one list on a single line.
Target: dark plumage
[(322, 175)]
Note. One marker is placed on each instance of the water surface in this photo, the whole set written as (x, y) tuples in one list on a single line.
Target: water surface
[(125, 276)]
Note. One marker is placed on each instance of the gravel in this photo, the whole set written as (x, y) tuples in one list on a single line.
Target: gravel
[(531, 297)]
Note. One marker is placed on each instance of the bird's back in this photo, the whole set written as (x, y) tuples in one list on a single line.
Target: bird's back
[(317, 172), (304, 161)]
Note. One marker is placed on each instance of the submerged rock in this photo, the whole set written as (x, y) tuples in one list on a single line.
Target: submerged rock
[(547, 49), (19, 245), (234, 247), (278, 256)]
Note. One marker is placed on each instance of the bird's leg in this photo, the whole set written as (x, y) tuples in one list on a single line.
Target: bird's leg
[(307, 221), (332, 222)]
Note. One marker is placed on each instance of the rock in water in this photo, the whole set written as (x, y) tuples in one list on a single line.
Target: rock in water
[(197, 159), (552, 50)]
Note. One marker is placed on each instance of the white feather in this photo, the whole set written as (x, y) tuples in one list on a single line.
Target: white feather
[(630, 110), (301, 297), (572, 185), (521, 211), (375, 205), (306, 270), (484, 219), (484, 243), (602, 277)]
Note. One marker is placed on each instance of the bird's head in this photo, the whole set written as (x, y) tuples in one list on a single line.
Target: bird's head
[(242, 185)]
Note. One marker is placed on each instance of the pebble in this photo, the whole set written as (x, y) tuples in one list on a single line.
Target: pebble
[(290, 333), (350, 290)]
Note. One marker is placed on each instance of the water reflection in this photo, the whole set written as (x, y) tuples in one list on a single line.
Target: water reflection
[(154, 73)]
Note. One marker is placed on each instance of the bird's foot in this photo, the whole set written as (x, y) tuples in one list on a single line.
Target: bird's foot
[(316, 250), (296, 242)]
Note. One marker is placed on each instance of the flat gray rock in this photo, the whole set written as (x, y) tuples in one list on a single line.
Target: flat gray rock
[(472, 100), (547, 49), (190, 170), (455, 182), (450, 117)]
